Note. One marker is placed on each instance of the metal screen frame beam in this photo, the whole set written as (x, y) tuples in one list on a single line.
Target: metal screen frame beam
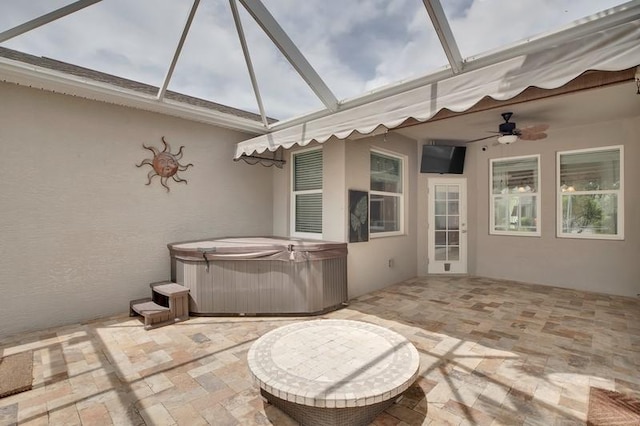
[(45, 19), (247, 59), (286, 46), (176, 54), (443, 29)]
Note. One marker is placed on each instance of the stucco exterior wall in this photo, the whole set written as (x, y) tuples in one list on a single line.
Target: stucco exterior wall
[(334, 206), (346, 166), (281, 197), (369, 262), (604, 266), (81, 233)]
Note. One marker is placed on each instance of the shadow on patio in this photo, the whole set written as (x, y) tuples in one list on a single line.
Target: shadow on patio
[(491, 351)]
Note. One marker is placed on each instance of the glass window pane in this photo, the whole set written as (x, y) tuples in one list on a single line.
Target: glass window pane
[(590, 189), (590, 214), (385, 213), (590, 171), (440, 207), (501, 214), (307, 170), (515, 175), (441, 238), (523, 213), (386, 173), (309, 213), (441, 253), (307, 176), (441, 223), (454, 222), (515, 188)]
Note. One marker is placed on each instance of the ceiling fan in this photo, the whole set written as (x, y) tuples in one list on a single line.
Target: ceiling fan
[(509, 133)]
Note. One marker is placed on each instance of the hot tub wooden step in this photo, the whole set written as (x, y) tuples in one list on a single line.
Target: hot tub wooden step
[(154, 314), (175, 296)]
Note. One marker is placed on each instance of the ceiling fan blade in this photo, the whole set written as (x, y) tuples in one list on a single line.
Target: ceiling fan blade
[(532, 136), (536, 128)]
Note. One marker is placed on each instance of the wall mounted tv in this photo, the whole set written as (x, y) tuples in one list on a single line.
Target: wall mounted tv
[(442, 159)]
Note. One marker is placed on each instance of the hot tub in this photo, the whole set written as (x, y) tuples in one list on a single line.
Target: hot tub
[(261, 275)]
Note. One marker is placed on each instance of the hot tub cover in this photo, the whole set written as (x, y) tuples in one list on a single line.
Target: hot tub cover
[(257, 248)]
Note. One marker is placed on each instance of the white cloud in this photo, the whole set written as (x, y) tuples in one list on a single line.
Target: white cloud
[(135, 44), (16, 12), (490, 24), (355, 45)]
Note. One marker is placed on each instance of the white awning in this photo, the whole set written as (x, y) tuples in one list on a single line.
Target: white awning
[(611, 49)]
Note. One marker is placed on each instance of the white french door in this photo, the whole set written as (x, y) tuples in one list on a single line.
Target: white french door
[(447, 236)]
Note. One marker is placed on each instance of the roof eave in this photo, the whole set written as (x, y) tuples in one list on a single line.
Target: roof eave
[(23, 74)]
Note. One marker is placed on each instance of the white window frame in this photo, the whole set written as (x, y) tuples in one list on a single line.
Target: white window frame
[(399, 195), (619, 192), (493, 197), (293, 232)]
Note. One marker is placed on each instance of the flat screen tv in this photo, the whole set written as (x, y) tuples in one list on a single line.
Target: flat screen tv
[(442, 159)]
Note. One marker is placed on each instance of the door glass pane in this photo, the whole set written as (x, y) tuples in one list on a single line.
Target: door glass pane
[(447, 222), (453, 207), (454, 253), (453, 192), (454, 238)]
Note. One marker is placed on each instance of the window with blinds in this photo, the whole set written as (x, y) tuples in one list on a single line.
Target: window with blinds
[(590, 195), (515, 196), (307, 193), (387, 197)]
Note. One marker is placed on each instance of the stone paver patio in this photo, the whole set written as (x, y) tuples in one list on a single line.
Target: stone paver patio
[(491, 352)]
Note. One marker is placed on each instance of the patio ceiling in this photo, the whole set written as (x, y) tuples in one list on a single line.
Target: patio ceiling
[(317, 64), (573, 108)]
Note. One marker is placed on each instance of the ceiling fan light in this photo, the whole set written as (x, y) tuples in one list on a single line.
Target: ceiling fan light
[(507, 139)]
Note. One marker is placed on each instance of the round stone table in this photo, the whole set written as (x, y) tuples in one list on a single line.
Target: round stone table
[(333, 371)]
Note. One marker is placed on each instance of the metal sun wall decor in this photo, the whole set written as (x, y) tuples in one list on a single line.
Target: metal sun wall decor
[(164, 164)]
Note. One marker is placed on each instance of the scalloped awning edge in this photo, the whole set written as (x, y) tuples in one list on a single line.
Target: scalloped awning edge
[(613, 49)]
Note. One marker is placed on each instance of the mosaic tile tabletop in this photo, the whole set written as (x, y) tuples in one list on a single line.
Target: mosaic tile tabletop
[(333, 363)]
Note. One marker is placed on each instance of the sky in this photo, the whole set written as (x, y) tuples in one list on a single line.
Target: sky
[(356, 46)]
